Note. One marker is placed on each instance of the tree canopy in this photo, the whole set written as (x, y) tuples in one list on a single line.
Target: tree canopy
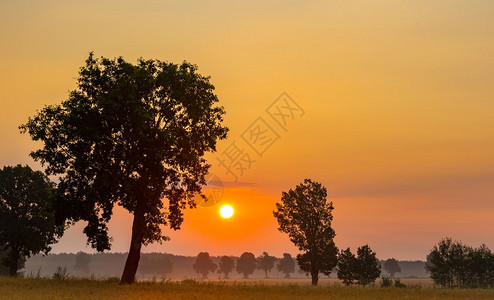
[(286, 265), (27, 215), (452, 263), (204, 264), (226, 265), (305, 215), (363, 269), (391, 266), (246, 264), (82, 261), (134, 136), (266, 262)]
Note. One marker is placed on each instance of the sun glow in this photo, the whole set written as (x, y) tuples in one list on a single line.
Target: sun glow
[(226, 211)]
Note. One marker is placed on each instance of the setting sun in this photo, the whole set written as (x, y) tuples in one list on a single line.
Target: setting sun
[(226, 211)]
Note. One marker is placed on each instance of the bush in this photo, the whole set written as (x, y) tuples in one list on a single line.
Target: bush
[(61, 274), (386, 281), (398, 284)]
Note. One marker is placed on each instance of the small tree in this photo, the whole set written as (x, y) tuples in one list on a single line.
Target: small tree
[(305, 215), (5, 268), (27, 216), (391, 266), (266, 262), (82, 261), (226, 265), (286, 265), (368, 266), (347, 266), (246, 264), (362, 269), (204, 264)]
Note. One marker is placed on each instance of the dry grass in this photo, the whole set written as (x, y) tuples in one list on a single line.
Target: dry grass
[(19, 288)]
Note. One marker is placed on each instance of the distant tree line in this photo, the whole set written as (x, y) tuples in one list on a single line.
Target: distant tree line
[(246, 264), (454, 264)]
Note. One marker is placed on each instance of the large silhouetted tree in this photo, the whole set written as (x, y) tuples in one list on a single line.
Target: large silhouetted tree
[(246, 264), (391, 266), (266, 262), (134, 136), (204, 264), (305, 215), (226, 265), (27, 215), (286, 265)]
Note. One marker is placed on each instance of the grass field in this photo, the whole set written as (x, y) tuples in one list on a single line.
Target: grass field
[(26, 288)]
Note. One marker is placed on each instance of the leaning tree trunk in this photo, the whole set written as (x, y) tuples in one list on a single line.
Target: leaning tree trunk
[(132, 262)]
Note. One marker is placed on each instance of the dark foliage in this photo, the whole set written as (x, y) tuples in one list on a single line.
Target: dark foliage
[(453, 264), (286, 265), (391, 266), (246, 264), (305, 215), (362, 269), (82, 261), (266, 262), (226, 266), (5, 268), (129, 135), (27, 215), (204, 264)]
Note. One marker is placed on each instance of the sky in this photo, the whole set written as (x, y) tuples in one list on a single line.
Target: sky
[(392, 109)]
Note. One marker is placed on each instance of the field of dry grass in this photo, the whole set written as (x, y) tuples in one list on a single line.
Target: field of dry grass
[(29, 288)]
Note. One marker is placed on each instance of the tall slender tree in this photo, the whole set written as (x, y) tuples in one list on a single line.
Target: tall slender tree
[(133, 135), (306, 216)]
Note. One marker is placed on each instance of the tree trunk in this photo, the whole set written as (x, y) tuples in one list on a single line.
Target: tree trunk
[(314, 272), (132, 262), (315, 277), (14, 258)]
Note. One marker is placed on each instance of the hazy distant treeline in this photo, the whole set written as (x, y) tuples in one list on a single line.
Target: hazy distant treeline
[(163, 265)]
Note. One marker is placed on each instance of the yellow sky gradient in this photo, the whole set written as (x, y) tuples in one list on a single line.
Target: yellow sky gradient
[(398, 101)]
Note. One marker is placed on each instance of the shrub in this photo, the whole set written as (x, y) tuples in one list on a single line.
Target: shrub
[(61, 274), (386, 281)]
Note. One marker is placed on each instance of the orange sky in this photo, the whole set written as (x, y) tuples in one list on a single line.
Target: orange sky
[(397, 97)]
